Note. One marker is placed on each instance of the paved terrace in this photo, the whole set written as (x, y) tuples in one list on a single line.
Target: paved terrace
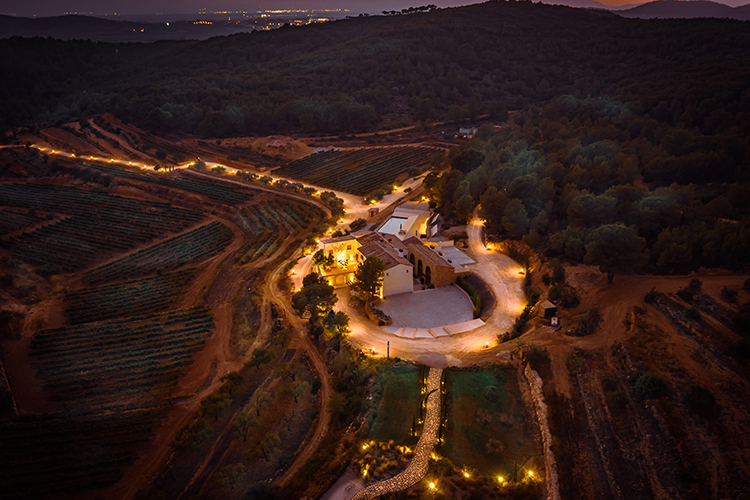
[(417, 469)]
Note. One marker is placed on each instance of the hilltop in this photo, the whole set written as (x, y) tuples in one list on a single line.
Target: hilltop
[(372, 72)]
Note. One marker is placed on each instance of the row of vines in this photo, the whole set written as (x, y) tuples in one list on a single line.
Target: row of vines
[(359, 171), (94, 225), (269, 224), (213, 188)]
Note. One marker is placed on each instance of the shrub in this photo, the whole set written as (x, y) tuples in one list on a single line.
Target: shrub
[(742, 318), (538, 358), (649, 385), (554, 292), (569, 298), (357, 224), (651, 296), (695, 285), (685, 294), (746, 284), (473, 294), (558, 271), (585, 323), (729, 295), (546, 279), (700, 400), (740, 349), (693, 314)]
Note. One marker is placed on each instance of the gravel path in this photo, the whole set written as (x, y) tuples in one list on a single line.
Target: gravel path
[(418, 466)]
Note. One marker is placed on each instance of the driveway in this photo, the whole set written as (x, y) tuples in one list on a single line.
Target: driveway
[(428, 308)]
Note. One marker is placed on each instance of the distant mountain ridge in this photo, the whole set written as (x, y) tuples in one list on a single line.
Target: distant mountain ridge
[(672, 9), (590, 4), (70, 27), (665, 9)]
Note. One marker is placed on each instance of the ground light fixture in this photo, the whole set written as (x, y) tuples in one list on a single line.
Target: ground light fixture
[(500, 479)]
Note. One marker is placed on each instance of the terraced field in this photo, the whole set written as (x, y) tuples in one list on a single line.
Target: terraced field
[(54, 454), (214, 189), (270, 224), (188, 248), (95, 226), (359, 171), (118, 362), (127, 298)]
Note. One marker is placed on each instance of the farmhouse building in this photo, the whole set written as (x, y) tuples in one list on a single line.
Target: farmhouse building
[(408, 263), (412, 219)]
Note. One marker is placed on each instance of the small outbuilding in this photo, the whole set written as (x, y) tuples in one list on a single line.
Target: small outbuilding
[(547, 309), (373, 211)]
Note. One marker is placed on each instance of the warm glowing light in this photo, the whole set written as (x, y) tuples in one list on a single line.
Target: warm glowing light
[(531, 473), (364, 446), (432, 486), (500, 478), (466, 474)]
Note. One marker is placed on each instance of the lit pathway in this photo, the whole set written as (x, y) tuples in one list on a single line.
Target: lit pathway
[(418, 466)]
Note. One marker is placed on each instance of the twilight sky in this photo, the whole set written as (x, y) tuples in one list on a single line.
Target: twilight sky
[(57, 7)]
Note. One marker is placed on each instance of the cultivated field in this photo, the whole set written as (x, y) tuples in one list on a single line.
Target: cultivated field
[(360, 171), (85, 226), (270, 224)]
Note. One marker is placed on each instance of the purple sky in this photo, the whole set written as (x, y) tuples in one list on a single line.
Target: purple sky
[(57, 7)]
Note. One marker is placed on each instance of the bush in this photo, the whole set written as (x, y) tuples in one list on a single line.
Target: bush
[(700, 400), (685, 294), (538, 358), (740, 349), (695, 285), (586, 323), (558, 271), (729, 295), (473, 294), (746, 284), (554, 292), (569, 298), (357, 224), (651, 296), (649, 385), (693, 314), (742, 319)]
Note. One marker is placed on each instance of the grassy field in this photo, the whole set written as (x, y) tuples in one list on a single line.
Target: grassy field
[(486, 421), (399, 405)]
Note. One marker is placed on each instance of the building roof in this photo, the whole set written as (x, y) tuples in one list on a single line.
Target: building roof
[(546, 304), (374, 245), (346, 237), (434, 258)]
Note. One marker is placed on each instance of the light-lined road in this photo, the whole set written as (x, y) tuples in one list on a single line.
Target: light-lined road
[(417, 469)]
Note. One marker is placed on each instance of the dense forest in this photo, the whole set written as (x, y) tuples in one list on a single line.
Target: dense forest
[(356, 74), (590, 181)]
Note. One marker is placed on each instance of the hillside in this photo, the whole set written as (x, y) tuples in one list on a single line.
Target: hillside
[(361, 73)]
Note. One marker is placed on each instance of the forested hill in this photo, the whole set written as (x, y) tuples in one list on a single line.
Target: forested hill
[(379, 71)]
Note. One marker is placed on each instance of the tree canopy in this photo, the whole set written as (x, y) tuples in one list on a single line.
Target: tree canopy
[(616, 248), (316, 297), (368, 278)]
